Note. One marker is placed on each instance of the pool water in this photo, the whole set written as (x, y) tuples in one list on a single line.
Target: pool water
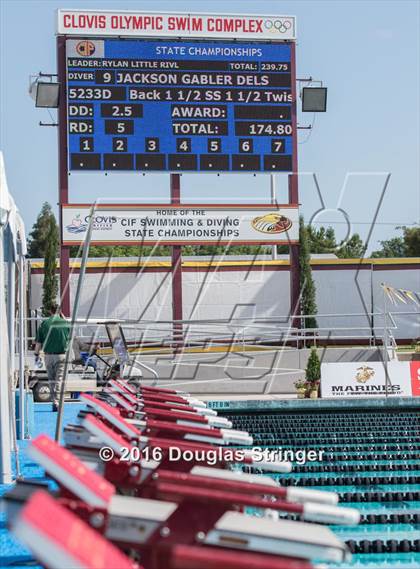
[(371, 459), (12, 553)]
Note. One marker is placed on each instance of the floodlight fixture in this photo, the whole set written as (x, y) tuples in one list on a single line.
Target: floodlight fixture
[(44, 92), (47, 95), (314, 99)]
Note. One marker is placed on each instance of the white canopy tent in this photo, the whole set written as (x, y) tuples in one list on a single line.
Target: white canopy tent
[(12, 254)]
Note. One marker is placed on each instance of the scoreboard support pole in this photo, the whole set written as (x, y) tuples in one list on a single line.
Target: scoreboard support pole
[(63, 180), (294, 262), (294, 199), (176, 265)]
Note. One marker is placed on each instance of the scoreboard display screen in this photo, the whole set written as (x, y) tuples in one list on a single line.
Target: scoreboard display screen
[(142, 105)]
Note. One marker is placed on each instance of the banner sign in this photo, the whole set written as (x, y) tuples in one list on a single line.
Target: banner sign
[(143, 105), (415, 378), (180, 225), (138, 24), (367, 379)]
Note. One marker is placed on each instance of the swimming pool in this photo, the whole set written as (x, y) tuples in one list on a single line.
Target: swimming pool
[(371, 459)]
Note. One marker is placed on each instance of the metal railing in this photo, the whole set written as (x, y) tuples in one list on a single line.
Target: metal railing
[(159, 335)]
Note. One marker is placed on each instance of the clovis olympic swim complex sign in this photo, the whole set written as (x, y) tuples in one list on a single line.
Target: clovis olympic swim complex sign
[(129, 24)]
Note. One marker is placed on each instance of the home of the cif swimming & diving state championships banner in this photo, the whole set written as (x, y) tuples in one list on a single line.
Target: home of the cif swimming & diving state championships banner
[(178, 225)]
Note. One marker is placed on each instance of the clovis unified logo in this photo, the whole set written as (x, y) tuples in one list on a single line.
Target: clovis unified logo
[(100, 222), (77, 225)]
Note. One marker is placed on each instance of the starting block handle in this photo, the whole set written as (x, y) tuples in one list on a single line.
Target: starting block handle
[(311, 512), (191, 557), (145, 388), (272, 466), (226, 497), (166, 406), (307, 497), (183, 430), (237, 437), (304, 495), (220, 483), (174, 415), (164, 398)]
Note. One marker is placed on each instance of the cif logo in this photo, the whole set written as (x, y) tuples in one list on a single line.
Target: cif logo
[(85, 48), (278, 26), (271, 223)]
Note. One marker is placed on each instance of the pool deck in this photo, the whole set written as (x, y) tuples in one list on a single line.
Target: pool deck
[(293, 404)]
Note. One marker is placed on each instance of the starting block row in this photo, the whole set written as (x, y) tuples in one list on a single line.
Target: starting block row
[(123, 500)]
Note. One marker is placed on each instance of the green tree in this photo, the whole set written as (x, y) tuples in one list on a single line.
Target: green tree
[(354, 248), (313, 367), (38, 236), (412, 241), (313, 372), (407, 245), (145, 252), (321, 240), (307, 285), (394, 247), (223, 250), (50, 284)]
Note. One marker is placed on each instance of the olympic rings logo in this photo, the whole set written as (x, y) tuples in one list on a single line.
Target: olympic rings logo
[(278, 26)]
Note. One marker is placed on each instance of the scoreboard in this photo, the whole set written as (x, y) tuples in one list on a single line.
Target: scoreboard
[(167, 105)]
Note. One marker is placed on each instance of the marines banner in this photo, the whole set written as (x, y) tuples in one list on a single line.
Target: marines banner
[(368, 379)]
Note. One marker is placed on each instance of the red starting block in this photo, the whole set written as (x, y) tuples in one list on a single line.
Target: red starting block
[(139, 522), (137, 399), (180, 515), (76, 438), (177, 424), (61, 540), (113, 418), (177, 414), (161, 394), (71, 473)]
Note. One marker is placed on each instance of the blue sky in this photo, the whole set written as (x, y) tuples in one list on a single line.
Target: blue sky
[(366, 52)]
